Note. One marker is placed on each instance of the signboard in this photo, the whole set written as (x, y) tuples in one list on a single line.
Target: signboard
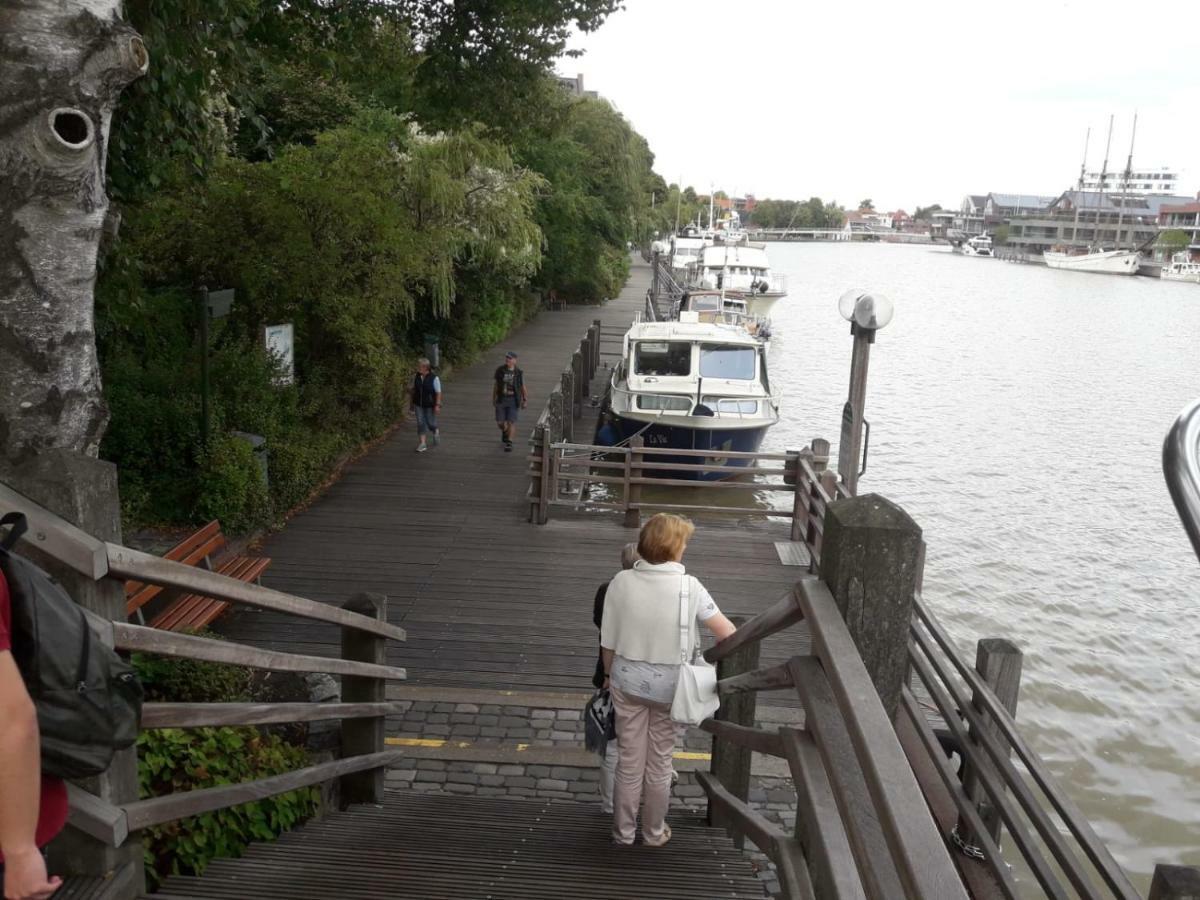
[(278, 339), (219, 303)]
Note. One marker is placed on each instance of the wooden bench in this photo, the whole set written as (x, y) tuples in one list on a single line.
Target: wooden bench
[(194, 611)]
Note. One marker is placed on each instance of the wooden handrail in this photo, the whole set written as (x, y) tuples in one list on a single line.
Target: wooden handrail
[(197, 715), (133, 564), (746, 820), (773, 678), (56, 537), (756, 739), (140, 638), (157, 810), (783, 613)]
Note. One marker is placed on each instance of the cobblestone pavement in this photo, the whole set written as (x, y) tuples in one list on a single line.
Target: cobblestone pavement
[(505, 728)]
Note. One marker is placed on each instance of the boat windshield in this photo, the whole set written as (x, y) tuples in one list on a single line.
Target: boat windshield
[(727, 361), (664, 402), (663, 358)]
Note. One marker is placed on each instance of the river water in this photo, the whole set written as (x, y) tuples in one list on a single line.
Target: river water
[(1018, 414)]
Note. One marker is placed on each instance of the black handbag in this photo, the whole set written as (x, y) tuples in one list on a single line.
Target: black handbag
[(599, 722)]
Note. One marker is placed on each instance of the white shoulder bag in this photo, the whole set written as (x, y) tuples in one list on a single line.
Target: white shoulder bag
[(696, 690)]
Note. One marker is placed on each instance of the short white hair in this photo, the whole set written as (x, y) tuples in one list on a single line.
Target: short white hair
[(424, 362)]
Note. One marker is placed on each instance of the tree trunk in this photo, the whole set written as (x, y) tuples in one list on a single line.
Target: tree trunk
[(64, 62)]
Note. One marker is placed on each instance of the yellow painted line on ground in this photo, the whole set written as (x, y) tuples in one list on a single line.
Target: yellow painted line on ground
[(520, 748)]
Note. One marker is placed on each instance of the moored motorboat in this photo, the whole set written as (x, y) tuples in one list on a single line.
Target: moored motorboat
[(1181, 268), (691, 385), (743, 268)]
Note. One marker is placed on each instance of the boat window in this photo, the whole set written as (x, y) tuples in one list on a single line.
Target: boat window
[(726, 361), (706, 303), (727, 406), (663, 358), (664, 401)]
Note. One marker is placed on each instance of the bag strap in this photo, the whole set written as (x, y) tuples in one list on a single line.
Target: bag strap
[(19, 527), (685, 625)]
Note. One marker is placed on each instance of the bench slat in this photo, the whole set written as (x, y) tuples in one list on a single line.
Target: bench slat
[(195, 611), (190, 552)]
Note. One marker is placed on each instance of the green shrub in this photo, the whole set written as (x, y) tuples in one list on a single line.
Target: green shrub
[(173, 760), (230, 486)]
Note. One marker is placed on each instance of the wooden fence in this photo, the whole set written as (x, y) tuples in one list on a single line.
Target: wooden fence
[(114, 820)]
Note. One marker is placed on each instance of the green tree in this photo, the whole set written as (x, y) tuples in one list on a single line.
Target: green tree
[(1174, 240), (865, 205)]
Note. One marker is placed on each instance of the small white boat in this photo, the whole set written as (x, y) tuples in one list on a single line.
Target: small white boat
[(980, 245), (723, 308), (1181, 268), (686, 248), (1105, 262)]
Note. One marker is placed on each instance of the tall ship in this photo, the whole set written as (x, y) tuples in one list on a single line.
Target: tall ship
[(1096, 258), (691, 385)]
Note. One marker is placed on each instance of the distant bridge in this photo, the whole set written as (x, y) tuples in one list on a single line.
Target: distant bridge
[(839, 234)]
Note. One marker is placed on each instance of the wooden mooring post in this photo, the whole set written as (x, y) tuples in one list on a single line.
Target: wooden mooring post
[(869, 553), (1175, 883), (998, 661)]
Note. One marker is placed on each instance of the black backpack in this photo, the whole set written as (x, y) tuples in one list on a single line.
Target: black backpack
[(88, 701)]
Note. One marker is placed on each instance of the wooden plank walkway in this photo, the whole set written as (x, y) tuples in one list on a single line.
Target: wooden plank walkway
[(489, 600), (441, 846)]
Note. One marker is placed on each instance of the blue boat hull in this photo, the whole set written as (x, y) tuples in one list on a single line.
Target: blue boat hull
[(718, 440)]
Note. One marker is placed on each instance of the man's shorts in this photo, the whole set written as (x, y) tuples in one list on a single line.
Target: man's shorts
[(507, 410)]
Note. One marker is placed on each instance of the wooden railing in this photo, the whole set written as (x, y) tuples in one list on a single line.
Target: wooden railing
[(881, 810), (362, 665)]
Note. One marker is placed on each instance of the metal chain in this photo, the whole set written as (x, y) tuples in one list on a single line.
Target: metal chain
[(971, 850)]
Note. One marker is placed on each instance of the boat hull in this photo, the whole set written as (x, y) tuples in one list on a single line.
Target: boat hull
[(761, 304), (1111, 262), (675, 437)]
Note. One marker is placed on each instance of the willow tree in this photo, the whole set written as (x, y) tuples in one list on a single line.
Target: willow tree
[(65, 63)]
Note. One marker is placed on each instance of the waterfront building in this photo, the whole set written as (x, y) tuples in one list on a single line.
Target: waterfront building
[(901, 221), (1185, 217), (575, 86), (999, 208), (941, 223), (970, 214), (1104, 220), (1142, 182)]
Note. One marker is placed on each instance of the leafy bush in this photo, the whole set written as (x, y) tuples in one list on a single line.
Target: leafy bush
[(172, 760)]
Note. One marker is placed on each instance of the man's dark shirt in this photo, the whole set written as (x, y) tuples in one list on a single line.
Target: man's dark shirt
[(598, 617)]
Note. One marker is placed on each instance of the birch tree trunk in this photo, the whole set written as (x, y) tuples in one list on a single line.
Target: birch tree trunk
[(64, 63)]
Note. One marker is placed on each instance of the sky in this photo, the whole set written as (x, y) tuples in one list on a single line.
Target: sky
[(906, 103)]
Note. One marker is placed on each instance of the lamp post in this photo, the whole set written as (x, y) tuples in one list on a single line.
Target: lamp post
[(866, 313)]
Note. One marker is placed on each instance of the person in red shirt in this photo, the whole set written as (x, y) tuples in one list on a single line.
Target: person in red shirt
[(33, 807)]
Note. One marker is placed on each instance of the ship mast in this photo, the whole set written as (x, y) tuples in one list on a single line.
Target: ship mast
[(1125, 176), (1103, 177), (1079, 192)]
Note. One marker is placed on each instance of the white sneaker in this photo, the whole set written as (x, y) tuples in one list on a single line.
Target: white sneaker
[(421, 448)]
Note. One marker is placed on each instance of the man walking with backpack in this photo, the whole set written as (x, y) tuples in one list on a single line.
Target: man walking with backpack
[(33, 807)]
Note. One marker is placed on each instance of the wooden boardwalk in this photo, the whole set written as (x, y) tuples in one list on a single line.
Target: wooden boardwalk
[(489, 600), (434, 847)]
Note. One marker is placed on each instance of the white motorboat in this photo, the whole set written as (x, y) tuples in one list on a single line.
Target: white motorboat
[(724, 308), (691, 385), (980, 245), (1106, 262), (686, 249), (743, 268), (1181, 268)]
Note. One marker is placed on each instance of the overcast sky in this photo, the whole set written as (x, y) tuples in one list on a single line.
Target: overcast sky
[(903, 102)]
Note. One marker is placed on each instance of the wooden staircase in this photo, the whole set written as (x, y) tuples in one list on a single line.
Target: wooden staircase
[(432, 846)]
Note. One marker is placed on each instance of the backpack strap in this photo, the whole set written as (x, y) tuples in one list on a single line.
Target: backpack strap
[(18, 527)]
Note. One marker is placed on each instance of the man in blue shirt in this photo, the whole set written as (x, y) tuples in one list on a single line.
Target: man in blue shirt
[(426, 403)]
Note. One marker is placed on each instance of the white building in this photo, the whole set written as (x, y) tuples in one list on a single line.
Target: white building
[(1142, 182)]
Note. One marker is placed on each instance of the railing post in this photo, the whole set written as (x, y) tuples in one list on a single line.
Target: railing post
[(577, 384), (869, 562), (594, 359), (1175, 883), (584, 375), (83, 491), (731, 763), (568, 394), (800, 496), (633, 491), (820, 454), (547, 486), (537, 474), (365, 735), (599, 337), (999, 662)]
